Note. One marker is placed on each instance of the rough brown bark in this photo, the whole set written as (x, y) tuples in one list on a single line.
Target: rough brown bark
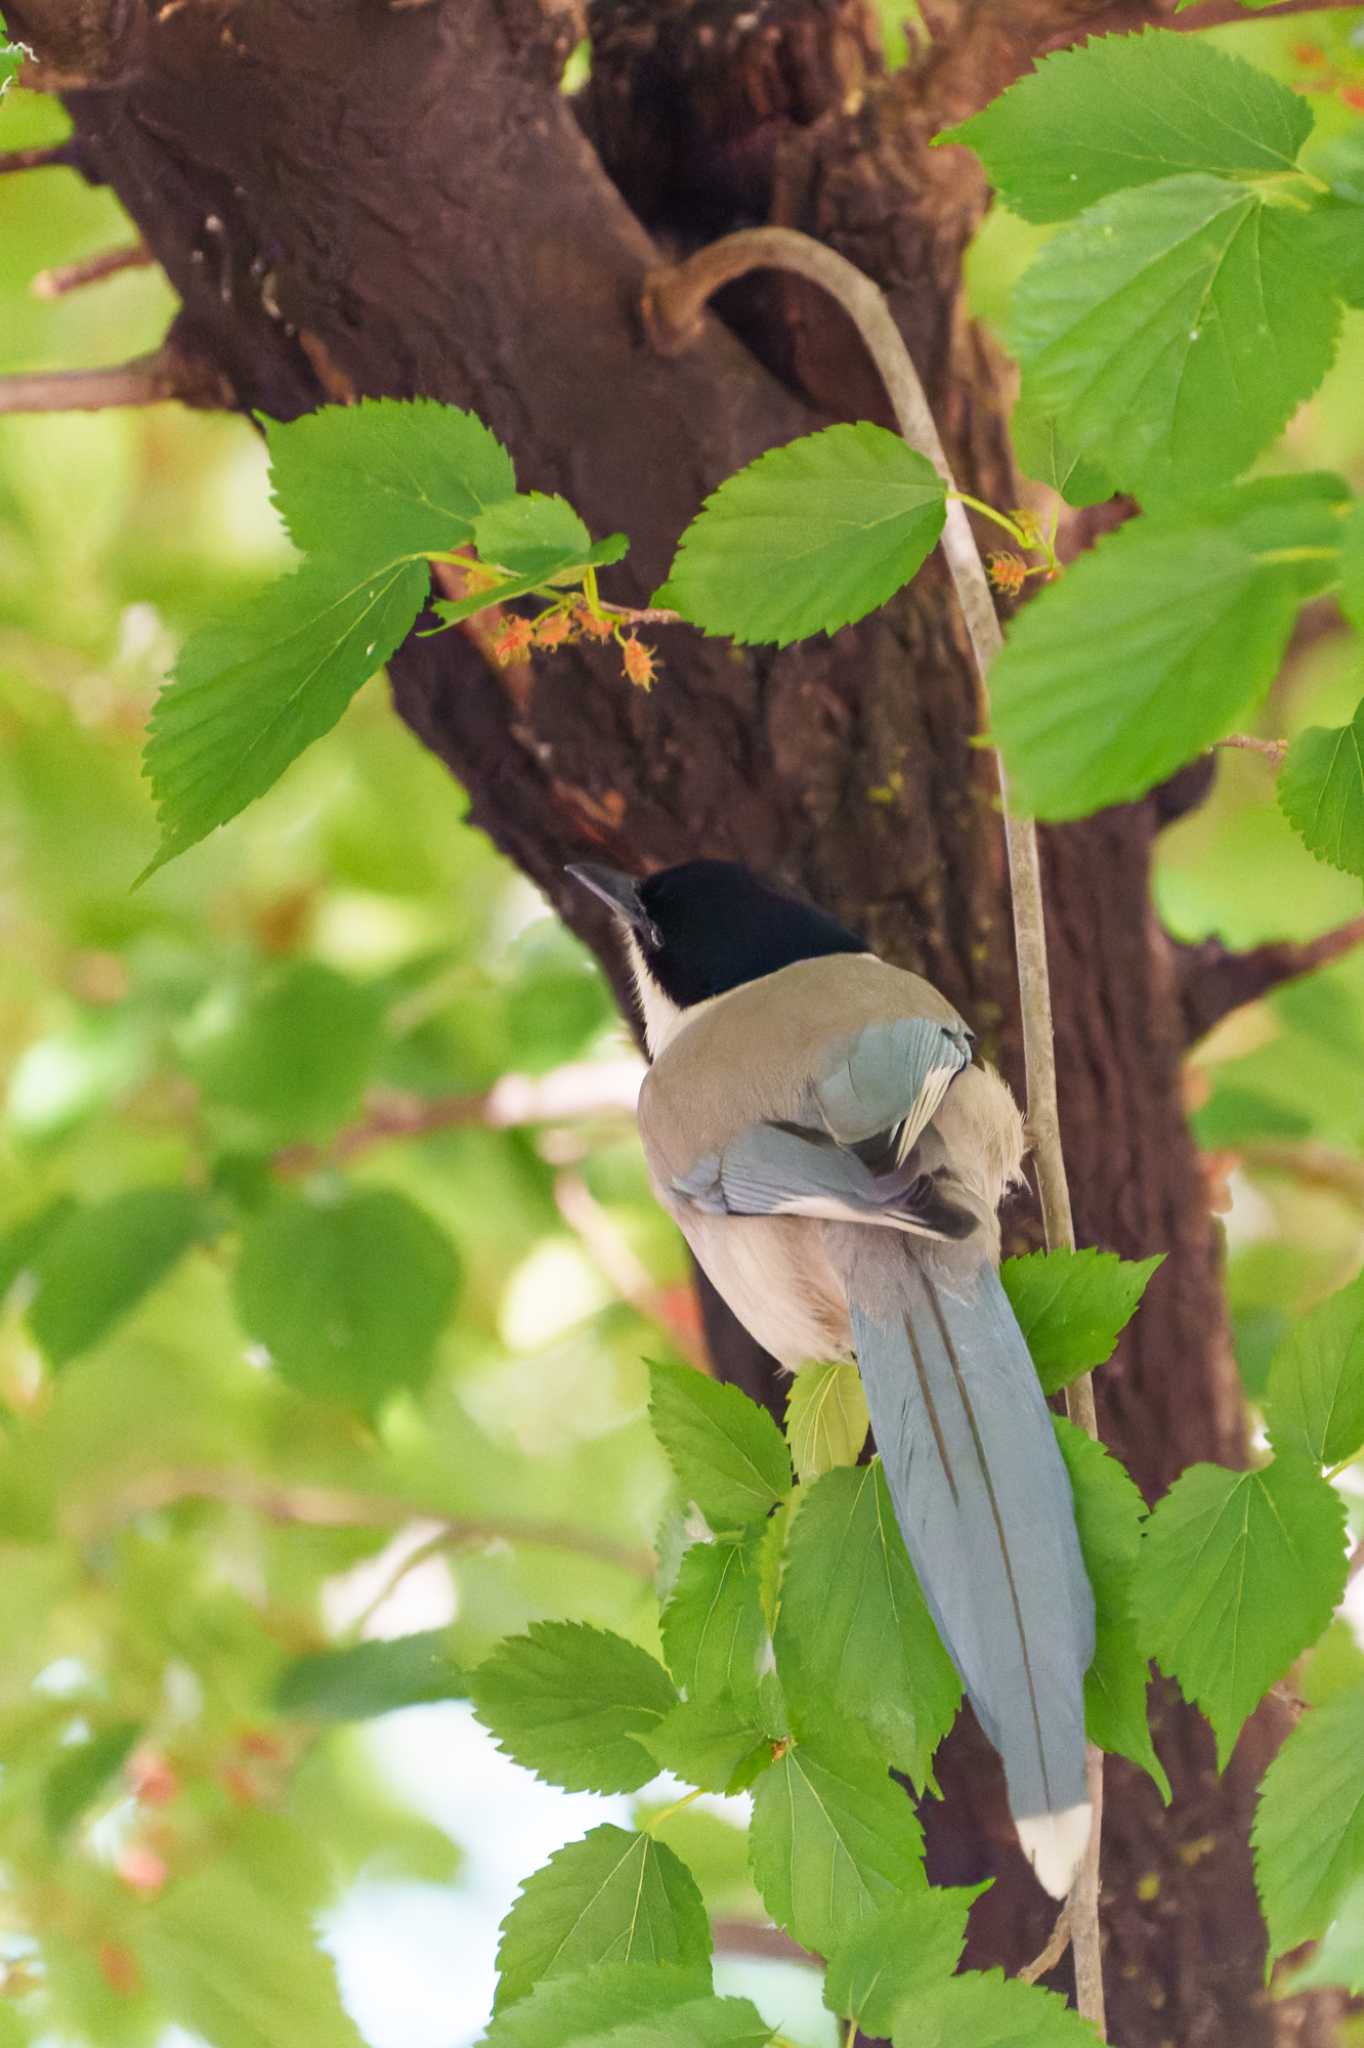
[(355, 200)]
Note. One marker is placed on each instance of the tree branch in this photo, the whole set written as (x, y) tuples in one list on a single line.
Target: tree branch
[(574, 1093), (66, 155), (326, 1507), (167, 374), (672, 304), (1247, 742), (72, 277), (1314, 1164), (1211, 980)]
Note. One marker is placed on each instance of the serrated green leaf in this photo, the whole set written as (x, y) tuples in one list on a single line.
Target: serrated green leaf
[(99, 1261), (366, 1679), (1238, 1573), (991, 2010), (897, 1953), (1073, 1306), (854, 1640), (567, 1701), (808, 537), (1314, 1403), (1172, 330), (833, 1838), (625, 2005), (1119, 111), (348, 1290), (1109, 1512), (714, 1744), (451, 610), (1321, 792), (727, 1452), (714, 1633), (1352, 566), (384, 478), (1332, 234), (251, 692), (1338, 1958), (1155, 641), (1043, 452), (293, 1048), (83, 1771), (11, 57), (539, 536), (1308, 1835), (613, 1897), (826, 1418)]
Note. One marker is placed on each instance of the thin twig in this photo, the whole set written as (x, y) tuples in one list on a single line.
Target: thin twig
[(157, 379), (327, 1507), (1273, 750), (49, 157), (1315, 1165), (672, 303), (72, 277), (614, 1255), (574, 1093), (1058, 1941)]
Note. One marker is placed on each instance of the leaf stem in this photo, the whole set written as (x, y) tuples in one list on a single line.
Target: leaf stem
[(989, 512), (656, 1820), (850, 2038), (672, 304)]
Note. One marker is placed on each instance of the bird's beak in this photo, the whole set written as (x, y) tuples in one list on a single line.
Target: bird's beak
[(618, 891)]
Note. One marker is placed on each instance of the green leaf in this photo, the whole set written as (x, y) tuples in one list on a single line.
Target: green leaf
[(1171, 331), (294, 1049), (808, 537), (1315, 1399), (1308, 1835), (626, 2005), (727, 1451), (714, 1633), (854, 1640), (99, 1262), (366, 1679), (538, 536), (613, 1897), (991, 2010), (826, 1418), (21, 1244), (1109, 1512), (11, 57), (251, 692), (1338, 1957), (1043, 452), (1128, 110), (1072, 1306), (714, 1744), (1352, 566), (1239, 1572), (232, 1960), (1321, 792), (451, 610), (82, 1772), (1333, 235), (833, 1838), (384, 478), (896, 1954), (1154, 642), (567, 1702), (348, 1289)]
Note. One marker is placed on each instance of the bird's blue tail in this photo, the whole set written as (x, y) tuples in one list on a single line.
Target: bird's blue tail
[(984, 1502)]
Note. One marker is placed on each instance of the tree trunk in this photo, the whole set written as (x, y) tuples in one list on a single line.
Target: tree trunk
[(355, 199)]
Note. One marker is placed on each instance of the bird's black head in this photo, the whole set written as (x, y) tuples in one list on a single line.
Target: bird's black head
[(710, 925)]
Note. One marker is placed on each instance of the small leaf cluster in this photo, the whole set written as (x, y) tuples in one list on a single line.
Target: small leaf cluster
[(372, 495), (799, 1664)]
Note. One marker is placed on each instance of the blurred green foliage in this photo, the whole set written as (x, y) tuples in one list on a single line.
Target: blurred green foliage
[(190, 1531)]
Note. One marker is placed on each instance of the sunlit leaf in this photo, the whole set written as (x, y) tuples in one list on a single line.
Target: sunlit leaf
[(568, 1702), (826, 1418), (727, 1451), (1309, 1824), (1072, 1306)]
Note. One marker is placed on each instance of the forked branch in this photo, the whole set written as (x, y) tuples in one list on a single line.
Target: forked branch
[(1211, 980)]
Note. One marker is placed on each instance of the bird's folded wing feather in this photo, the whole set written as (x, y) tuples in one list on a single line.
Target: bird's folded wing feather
[(846, 1155)]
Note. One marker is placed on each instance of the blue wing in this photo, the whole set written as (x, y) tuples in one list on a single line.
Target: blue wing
[(847, 1155)]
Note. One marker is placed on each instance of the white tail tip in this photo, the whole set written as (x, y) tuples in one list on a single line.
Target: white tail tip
[(1055, 1843)]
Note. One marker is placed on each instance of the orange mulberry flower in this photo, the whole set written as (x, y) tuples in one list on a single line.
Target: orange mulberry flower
[(1007, 572), (553, 629), (588, 622), (513, 641), (639, 662)]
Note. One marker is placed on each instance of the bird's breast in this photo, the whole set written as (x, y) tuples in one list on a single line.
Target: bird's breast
[(775, 1274)]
